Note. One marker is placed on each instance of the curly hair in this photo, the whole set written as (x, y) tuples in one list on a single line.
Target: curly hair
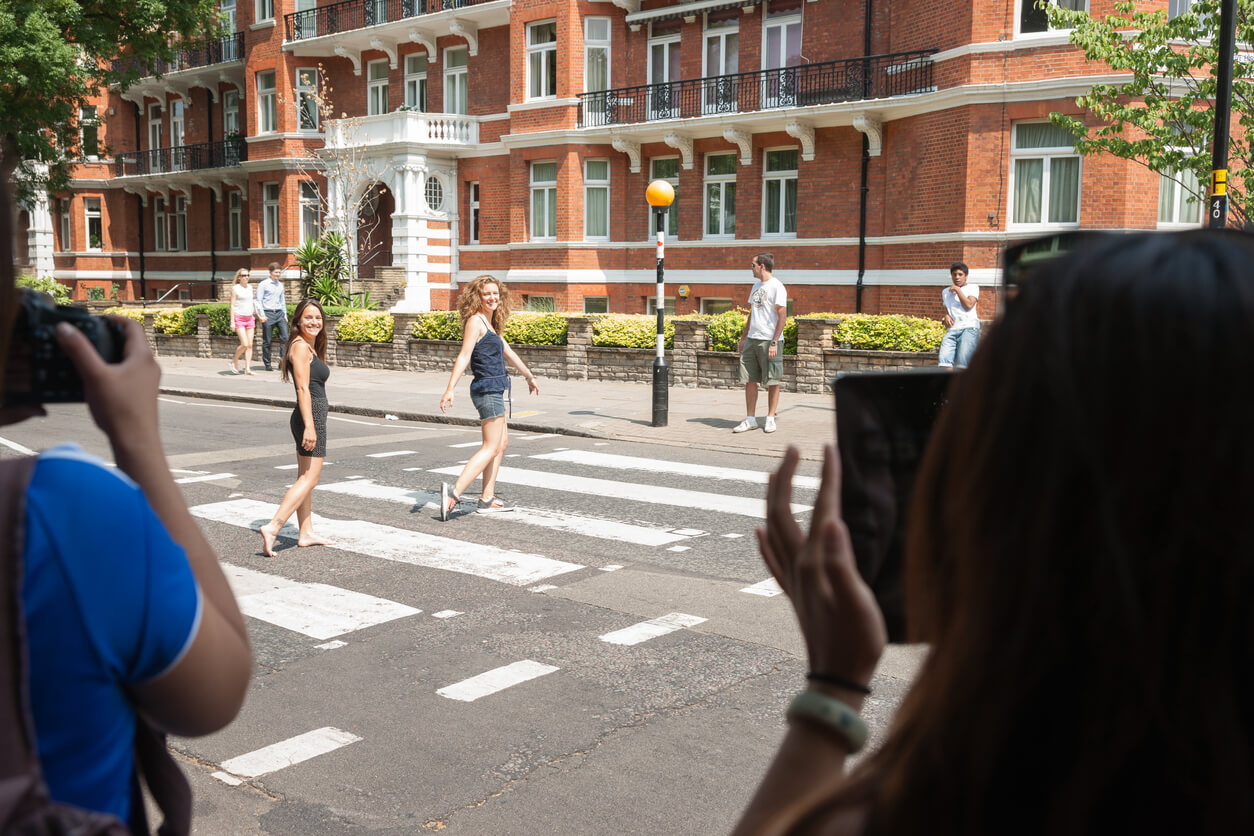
[(469, 302)]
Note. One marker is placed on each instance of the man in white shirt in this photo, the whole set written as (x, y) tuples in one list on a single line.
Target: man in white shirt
[(761, 344), (961, 318)]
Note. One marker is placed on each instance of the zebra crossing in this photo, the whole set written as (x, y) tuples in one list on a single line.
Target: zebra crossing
[(583, 515)]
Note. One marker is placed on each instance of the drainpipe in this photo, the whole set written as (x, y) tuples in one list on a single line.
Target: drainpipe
[(139, 207), (866, 163), (213, 209)]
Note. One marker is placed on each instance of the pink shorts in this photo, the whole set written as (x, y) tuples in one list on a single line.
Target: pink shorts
[(243, 321)]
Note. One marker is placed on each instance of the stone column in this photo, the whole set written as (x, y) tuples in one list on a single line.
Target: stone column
[(578, 340), (813, 337), (332, 326), (401, 359), (690, 337), (204, 342), (150, 332)]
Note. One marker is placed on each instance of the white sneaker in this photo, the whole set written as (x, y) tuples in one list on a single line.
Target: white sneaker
[(770, 424), (746, 425)]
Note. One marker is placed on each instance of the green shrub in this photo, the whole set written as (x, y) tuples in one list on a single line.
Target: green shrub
[(173, 322), (134, 313), (725, 330), (526, 328), (366, 327), (437, 325), (183, 321), (630, 331), (889, 332), (60, 293)]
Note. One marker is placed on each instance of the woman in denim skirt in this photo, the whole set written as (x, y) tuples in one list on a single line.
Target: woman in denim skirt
[(484, 308)]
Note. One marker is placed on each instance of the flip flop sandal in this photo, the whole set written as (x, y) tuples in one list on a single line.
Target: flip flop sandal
[(446, 493), (494, 505)]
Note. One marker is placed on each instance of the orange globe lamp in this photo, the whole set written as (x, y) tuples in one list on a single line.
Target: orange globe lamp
[(660, 194)]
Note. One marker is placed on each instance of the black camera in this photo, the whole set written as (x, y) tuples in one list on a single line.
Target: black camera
[(38, 371)]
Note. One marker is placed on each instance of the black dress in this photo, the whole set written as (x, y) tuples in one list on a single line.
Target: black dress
[(318, 374)]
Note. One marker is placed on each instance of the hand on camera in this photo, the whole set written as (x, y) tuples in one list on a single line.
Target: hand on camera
[(122, 396), (839, 618)]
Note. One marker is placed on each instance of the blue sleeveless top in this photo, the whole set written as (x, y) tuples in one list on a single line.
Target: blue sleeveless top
[(487, 364)]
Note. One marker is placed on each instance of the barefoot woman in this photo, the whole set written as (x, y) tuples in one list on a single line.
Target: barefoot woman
[(484, 308), (306, 350)]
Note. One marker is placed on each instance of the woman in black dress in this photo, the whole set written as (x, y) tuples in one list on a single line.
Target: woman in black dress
[(306, 359)]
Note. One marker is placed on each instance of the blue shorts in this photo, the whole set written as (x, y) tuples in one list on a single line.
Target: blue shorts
[(489, 404)]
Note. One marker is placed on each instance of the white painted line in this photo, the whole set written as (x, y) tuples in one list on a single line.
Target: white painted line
[(600, 444), (768, 588), (560, 520), (512, 455), (191, 472), (229, 780), (312, 609), (187, 480), (168, 400), (390, 454), (733, 536), (446, 613), (331, 645), (544, 587), (497, 679), (468, 444), (689, 532), (651, 629), (233, 495), (592, 458), (531, 437), (377, 424), (354, 477), (410, 469), (654, 494), (286, 466), (289, 752), (678, 549), (13, 445), (613, 567), (400, 545)]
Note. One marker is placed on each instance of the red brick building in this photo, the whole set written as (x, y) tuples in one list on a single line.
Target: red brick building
[(867, 145)]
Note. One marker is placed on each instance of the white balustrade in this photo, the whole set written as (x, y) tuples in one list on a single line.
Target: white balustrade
[(404, 126)]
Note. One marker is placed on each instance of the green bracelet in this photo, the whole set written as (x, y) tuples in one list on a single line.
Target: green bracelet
[(831, 713)]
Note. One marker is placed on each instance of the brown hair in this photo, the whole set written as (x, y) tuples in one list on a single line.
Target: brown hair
[(320, 341), (274, 265), (1079, 557), (767, 260), (470, 302)]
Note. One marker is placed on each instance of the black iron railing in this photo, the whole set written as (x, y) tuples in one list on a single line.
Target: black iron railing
[(206, 54), (357, 14), (871, 77), (222, 154)]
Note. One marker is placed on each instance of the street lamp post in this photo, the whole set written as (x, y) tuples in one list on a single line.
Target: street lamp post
[(660, 194)]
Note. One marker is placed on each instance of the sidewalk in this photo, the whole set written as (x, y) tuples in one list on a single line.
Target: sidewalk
[(698, 418)]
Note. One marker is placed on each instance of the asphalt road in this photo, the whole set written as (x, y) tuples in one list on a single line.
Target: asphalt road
[(602, 660)]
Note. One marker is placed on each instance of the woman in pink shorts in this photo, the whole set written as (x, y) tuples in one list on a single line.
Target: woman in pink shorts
[(243, 320)]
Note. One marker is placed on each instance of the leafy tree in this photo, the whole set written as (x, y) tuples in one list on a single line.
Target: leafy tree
[(56, 56), (1163, 117)]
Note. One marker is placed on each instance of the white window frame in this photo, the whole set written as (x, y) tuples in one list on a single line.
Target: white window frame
[(307, 90), (1018, 12), (416, 82), (154, 126), (541, 63), (88, 214), (473, 192), (1047, 154), (724, 303), (65, 206), (267, 102), (715, 97), (721, 181), (1180, 7), (531, 302), (270, 214), (230, 112), (377, 87), (160, 231), (456, 76), (265, 10), (310, 211), (672, 212), (593, 44), (1170, 179), (89, 119), (546, 190), (668, 305), (664, 102), (178, 224), (596, 189), (782, 177), (178, 135), (605, 299), (235, 220)]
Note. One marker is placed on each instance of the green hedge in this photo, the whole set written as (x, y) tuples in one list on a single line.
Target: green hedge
[(888, 332), (366, 327), (523, 328), (725, 330), (59, 292), (630, 331), (130, 312), (437, 325)]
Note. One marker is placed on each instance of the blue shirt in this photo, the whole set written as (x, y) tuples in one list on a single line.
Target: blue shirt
[(110, 601), (270, 295)]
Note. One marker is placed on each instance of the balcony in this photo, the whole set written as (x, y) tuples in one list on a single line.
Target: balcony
[(207, 54), (185, 158), (855, 79), (358, 14), (200, 65), (440, 130)]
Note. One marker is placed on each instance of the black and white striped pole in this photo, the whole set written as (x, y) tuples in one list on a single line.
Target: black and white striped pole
[(660, 194), (1218, 207)]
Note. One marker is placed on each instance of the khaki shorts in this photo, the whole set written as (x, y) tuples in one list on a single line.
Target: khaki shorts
[(756, 367)]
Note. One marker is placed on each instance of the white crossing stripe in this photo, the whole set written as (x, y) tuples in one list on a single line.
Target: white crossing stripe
[(399, 545), (655, 494), (468, 444), (288, 752), (559, 520), (514, 437), (651, 629), (768, 588), (209, 478), (391, 453), (591, 458), (313, 609), (544, 587), (497, 679), (445, 613), (13, 445), (332, 645)]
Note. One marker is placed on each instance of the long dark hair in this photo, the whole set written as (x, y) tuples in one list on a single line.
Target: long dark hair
[(320, 341), (1080, 559)]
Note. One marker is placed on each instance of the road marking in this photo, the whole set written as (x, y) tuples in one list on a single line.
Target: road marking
[(678, 549), (287, 753), (331, 645), (544, 587), (468, 444), (655, 494), (13, 445), (733, 536), (390, 454), (531, 437), (399, 545), (591, 458), (559, 520), (312, 609), (446, 613), (768, 588), (192, 472), (497, 679), (286, 466), (651, 629), (168, 400), (613, 567), (187, 480), (689, 532)]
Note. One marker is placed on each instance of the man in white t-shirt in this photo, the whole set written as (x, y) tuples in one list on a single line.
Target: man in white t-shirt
[(761, 343), (961, 318)]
